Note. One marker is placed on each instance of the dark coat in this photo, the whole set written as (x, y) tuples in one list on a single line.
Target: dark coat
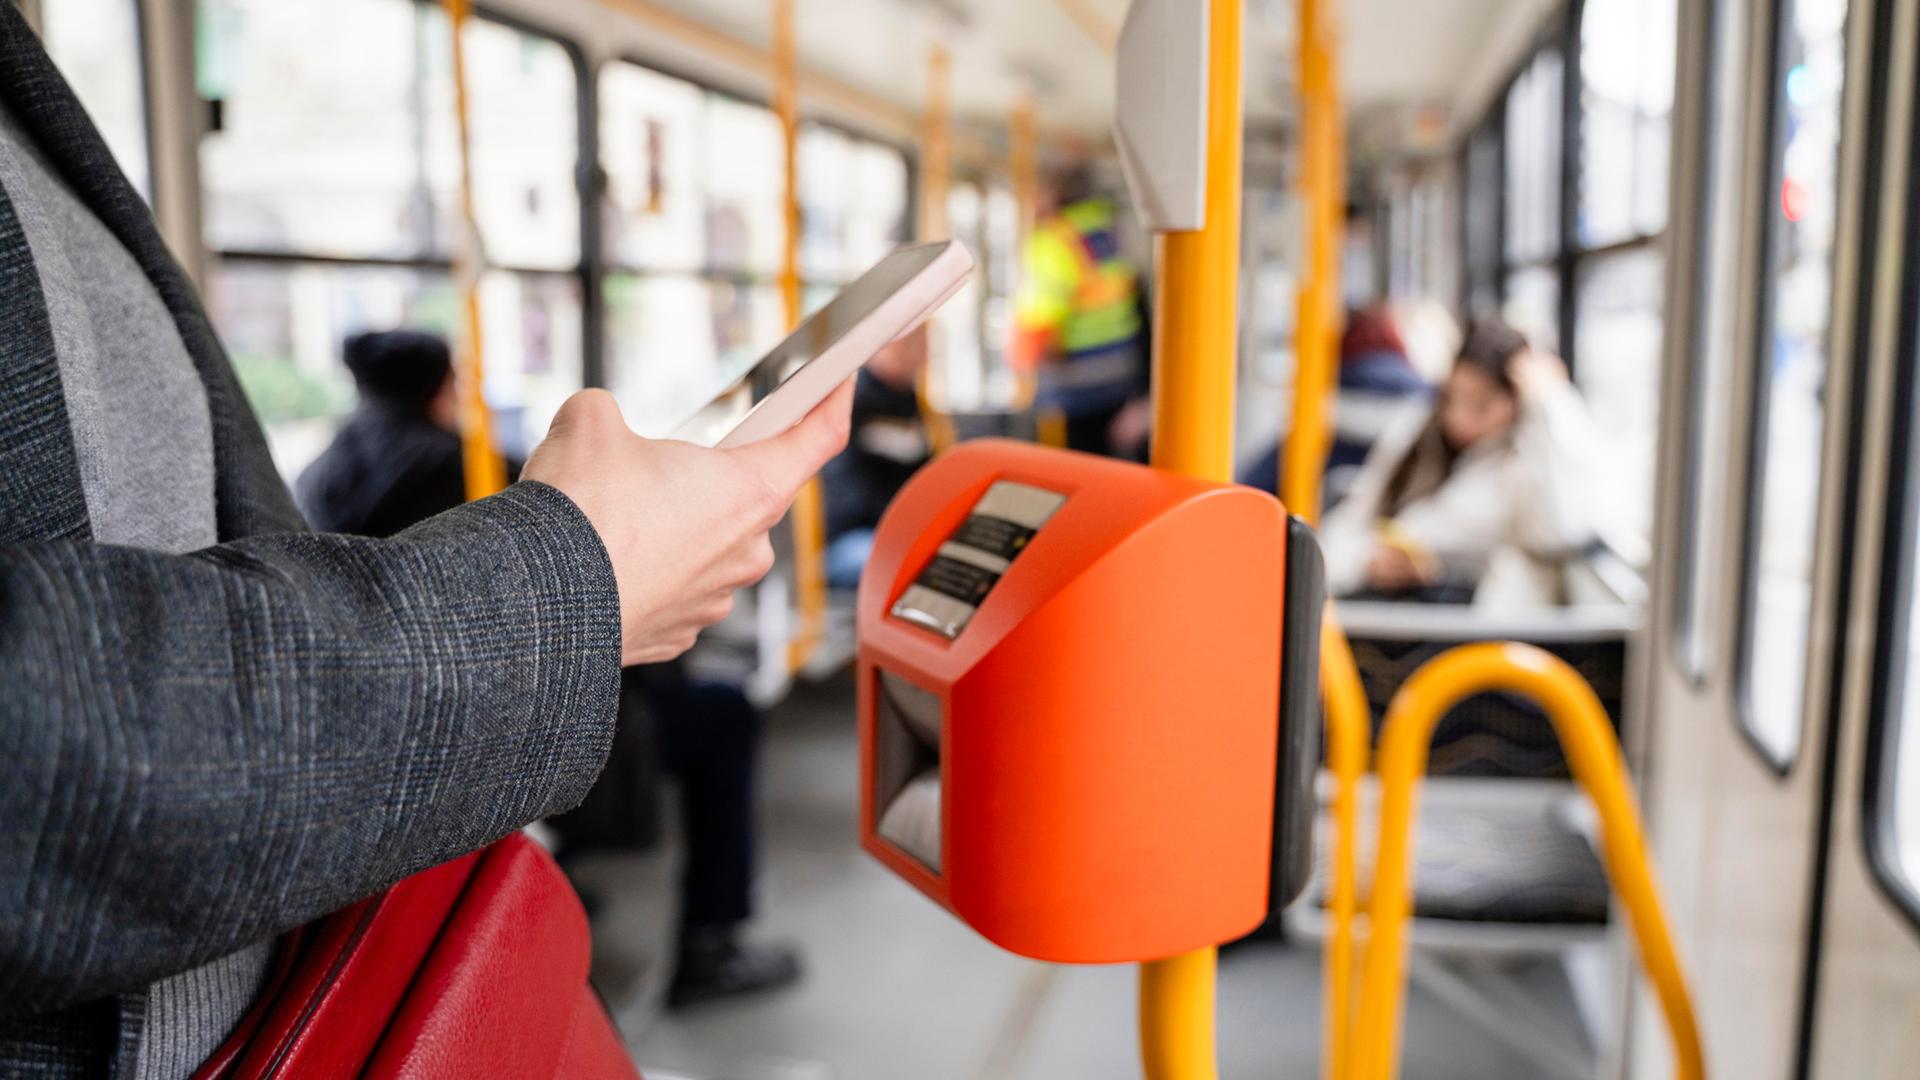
[(199, 752)]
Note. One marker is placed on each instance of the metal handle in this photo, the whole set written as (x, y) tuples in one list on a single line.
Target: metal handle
[(1592, 752)]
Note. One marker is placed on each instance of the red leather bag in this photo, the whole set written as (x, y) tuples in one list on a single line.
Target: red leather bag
[(476, 968)]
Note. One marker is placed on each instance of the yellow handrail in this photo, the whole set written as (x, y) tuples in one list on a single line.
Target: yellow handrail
[(1593, 754), (936, 149), (1023, 172), (1194, 362), (484, 467), (1349, 737), (808, 519), (1323, 199)]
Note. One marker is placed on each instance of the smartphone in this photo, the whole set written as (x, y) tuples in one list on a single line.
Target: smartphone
[(771, 394)]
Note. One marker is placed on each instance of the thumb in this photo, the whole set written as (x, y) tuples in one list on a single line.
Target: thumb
[(787, 460)]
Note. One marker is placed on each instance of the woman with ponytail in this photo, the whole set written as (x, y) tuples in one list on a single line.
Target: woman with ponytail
[(1503, 462)]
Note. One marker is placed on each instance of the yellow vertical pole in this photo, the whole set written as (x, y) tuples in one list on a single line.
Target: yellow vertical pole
[(1023, 168), (1349, 733), (485, 468), (1023, 165), (936, 157), (1195, 330), (809, 517), (1196, 307), (1323, 204)]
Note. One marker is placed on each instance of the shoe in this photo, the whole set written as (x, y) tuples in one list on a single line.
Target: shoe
[(714, 964)]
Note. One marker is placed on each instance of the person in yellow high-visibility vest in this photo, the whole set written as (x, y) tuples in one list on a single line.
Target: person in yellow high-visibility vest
[(1079, 324)]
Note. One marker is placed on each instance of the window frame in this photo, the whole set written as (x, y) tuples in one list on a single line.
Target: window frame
[(1759, 401), (1690, 654), (1898, 579)]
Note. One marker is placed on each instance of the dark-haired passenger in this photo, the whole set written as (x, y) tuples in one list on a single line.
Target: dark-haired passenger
[(1502, 466)]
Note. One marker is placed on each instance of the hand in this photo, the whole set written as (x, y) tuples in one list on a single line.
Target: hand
[(684, 526), (1530, 369), (1131, 426), (1392, 568)]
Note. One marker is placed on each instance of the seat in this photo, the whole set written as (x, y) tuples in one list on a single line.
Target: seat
[(1506, 882)]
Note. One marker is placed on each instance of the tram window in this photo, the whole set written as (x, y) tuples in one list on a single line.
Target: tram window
[(96, 44), (1784, 491), (524, 111), (1617, 337), (970, 369), (1533, 153), (1626, 76), (669, 336), (853, 203), (1480, 211), (694, 231), (334, 161), (332, 140), (283, 323), (650, 152), (1532, 305)]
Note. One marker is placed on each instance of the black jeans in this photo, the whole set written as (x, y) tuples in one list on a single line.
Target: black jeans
[(709, 739)]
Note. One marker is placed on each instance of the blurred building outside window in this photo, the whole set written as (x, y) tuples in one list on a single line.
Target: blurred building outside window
[(973, 374), (693, 229)]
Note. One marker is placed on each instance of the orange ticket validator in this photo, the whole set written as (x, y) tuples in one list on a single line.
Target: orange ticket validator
[(1088, 701)]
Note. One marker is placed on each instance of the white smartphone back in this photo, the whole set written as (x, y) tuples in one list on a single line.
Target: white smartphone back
[(897, 294)]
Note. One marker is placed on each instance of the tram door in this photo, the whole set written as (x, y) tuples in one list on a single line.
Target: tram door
[(1750, 577), (1864, 990)]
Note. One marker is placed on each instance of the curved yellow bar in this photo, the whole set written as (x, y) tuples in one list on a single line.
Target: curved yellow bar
[(1349, 734), (1594, 756)]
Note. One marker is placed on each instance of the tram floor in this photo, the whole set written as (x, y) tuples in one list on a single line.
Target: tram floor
[(896, 989)]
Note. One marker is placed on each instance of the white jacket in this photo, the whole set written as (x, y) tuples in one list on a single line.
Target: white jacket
[(1530, 491)]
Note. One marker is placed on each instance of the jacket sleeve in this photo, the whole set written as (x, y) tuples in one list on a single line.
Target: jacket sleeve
[(1348, 533), (1554, 444), (198, 752)]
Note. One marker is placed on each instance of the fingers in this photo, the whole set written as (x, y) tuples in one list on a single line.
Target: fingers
[(787, 460)]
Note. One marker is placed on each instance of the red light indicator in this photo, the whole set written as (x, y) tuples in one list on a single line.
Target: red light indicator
[(1793, 199)]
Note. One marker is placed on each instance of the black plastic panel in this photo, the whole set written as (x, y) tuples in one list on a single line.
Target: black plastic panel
[(1300, 725)]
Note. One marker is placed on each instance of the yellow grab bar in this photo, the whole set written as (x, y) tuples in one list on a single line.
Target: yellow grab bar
[(1194, 363), (1176, 1016), (1349, 736), (484, 467), (808, 519), (1593, 754), (1317, 322), (936, 158)]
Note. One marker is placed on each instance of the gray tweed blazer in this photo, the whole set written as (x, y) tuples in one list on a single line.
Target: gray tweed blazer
[(199, 752)]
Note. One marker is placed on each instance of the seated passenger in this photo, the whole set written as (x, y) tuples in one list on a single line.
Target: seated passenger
[(888, 445), (1378, 389), (397, 461), (1501, 464)]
